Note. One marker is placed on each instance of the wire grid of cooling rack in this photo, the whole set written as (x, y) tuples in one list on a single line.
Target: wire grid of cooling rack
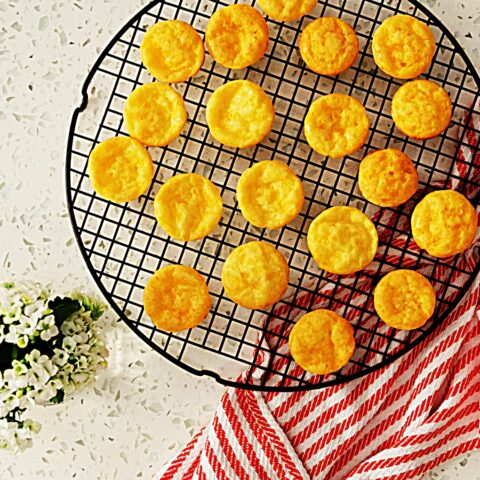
[(123, 246)]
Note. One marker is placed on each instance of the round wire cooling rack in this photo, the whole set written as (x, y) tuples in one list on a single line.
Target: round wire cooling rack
[(123, 245)]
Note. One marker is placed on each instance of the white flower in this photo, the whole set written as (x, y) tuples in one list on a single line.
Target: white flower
[(23, 438), (42, 359), (27, 399), (19, 368), (16, 337), (30, 292), (17, 437), (36, 310), (15, 380), (48, 365), (81, 378), (14, 296), (83, 349), (46, 322), (4, 411), (67, 383), (24, 297), (34, 427), (60, 358), (8, 375), (27, 326), (33, 356), (68, 368), (49, 333), (82, 362), (7, 435), (22, 341), (19, 383), (46, 393), (57, 383), (10, 305), (69, 344), (11, 318), (12, 335), (72, 326), (11, 402), (63, 378), (37, 376), (81, 338), (9, 378), (5, 392), (71, 362), (40, 372)]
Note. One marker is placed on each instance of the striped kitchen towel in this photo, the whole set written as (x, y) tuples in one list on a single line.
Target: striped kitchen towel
[(396, 423)]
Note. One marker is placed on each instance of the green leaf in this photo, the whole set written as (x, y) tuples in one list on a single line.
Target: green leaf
[(58, 398), (63, 308), (95, 308), (96, 311)]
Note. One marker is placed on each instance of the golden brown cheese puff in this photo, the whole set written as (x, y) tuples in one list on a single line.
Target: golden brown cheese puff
[(269, 194), (421, 109), (237, 36), (403, 47), (336, 125), (329, 46), (188, 206), (172, 51), (240, 114), (404, 299), (176, 298), (342, 240), (287, 10), (255, 275), (120, 169), (387, 178), (155, 114), (322, 342), (444, 223)]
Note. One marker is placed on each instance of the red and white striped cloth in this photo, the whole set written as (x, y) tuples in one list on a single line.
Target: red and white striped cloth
[(396, 423)]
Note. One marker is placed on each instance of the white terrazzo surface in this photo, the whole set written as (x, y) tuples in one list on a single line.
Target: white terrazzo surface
[(142, 409)]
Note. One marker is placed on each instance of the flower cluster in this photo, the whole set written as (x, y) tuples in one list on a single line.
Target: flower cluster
[(49, 348), (25, 314)]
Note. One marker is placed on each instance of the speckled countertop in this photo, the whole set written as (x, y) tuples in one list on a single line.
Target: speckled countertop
[(142, 409)]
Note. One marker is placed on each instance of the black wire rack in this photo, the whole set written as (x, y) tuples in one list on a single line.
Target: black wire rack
[(123, 245)]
